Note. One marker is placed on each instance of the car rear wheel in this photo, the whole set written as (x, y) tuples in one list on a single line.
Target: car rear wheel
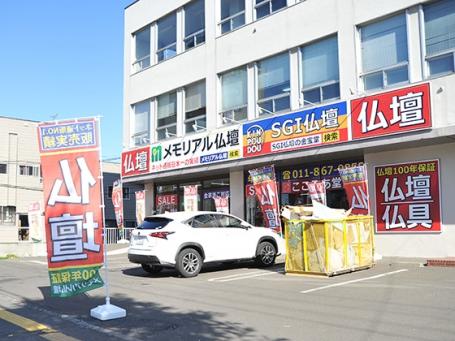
[(266, 254), (153, 269), (189, 263)]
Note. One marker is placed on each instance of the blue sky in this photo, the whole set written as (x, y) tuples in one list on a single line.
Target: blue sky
[(64, 57)]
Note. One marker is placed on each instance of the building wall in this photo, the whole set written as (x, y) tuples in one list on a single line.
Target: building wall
[(423, 245)]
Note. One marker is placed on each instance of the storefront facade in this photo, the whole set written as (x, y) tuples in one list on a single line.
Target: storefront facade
[(404, 133)]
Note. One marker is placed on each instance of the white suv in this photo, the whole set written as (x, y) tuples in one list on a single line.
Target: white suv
[(186, 240)]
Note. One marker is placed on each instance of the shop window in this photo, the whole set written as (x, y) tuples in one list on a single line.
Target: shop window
[(142, 49), (29, 170), (3, 168), (126, 193), (320, 71), (440, 37), (234, 96), (167, 116), (109, 191), (8, 215), (232, 15), (167, 37), (273, 84), (266, 7), (194, 24), (141, 134), (384, 53), (195, 110)]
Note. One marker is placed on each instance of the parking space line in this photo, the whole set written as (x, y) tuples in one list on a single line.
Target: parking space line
[(23, 322), (241, 276), (353, 281)]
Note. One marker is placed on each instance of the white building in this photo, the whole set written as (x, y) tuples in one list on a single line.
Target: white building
[(20, 175), (376, 76)]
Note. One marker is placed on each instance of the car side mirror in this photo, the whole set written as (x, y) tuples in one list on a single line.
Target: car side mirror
[(245, 225)]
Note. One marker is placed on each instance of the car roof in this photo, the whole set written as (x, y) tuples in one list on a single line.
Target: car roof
[(182, 216)]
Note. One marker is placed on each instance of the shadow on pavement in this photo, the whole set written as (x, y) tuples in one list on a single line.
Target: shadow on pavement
[(144, 321)]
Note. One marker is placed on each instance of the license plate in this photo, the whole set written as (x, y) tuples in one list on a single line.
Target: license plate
[(139, 240)]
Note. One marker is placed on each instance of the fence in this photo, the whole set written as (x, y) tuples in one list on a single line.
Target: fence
[(113, 234)]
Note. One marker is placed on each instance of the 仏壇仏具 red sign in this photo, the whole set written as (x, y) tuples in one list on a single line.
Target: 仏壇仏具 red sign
[(391, 112), (72, 198), (407, 197)]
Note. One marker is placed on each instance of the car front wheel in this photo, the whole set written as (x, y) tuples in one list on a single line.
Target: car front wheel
[(153, 269), (189, 263), (266, 254)]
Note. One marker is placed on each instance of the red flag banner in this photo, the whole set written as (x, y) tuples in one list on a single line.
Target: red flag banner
[(264, 182), (72, 198), (356, 186), (190, 198), (408, 197), (117, 201)]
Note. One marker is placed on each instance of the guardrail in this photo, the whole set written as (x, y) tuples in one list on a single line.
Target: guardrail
[(113, 234)]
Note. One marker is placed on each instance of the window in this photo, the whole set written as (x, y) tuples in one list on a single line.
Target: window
[(273, 84), (126, 193), (142, 49), (141, 135), (109, 191), (234, 95), (195, 111), (167, 116), (167, 36), (440, 36), (384, 53), (204, 220), (194, 24), (8, 215), (228, 221), (232, 14), (266, 7), (3, 168), (320, 75), (29, 170)]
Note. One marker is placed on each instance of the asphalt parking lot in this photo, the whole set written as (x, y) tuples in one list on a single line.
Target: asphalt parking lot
[(395, 300)]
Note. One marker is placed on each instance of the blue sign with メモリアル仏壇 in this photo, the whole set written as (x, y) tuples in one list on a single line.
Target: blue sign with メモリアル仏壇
[(67, 135)]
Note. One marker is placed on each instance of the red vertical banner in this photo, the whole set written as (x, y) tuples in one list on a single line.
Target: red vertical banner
[(408, 197), (265, 186), (190, 198), (72, 197), (355, 184), (117, 201)]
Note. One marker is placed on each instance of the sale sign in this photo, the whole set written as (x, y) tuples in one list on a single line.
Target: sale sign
[(117, 201), (391, 112), (264, 182), (167, 203), (408, 197), (355, 184), (136, 161), (72, 197)]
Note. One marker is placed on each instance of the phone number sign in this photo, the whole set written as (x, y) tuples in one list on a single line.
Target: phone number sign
[(408, 197)]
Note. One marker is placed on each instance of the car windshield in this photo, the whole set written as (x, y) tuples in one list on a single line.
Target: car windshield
[(154, 223)]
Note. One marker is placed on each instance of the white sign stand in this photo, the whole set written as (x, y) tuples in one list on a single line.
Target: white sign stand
[(106, 311)]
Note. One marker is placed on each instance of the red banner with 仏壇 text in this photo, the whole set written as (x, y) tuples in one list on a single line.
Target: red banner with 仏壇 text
[(72, 197), (265, 186), (408, 197)]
